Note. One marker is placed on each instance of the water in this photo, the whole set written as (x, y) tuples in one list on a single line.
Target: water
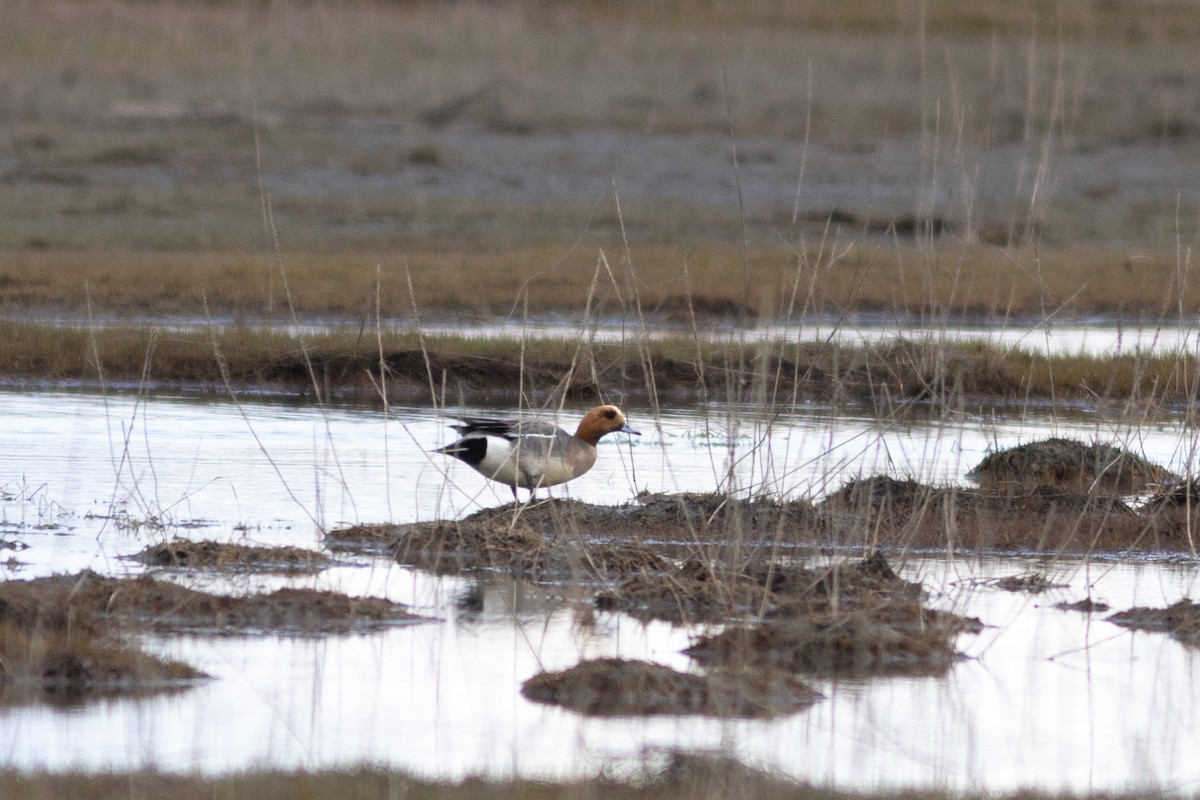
[(1049, 699)]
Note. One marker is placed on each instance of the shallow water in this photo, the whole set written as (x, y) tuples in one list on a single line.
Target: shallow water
[(1048, 698)]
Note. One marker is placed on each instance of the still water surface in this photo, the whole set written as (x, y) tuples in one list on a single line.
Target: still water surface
[(1048, 698)]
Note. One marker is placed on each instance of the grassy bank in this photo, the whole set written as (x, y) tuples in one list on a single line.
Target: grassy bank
[(366, 364)]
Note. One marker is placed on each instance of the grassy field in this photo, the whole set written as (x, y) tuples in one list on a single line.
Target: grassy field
[(332, 152)]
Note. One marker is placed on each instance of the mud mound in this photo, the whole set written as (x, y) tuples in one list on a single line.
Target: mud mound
[(568, 537), (518, 528), (231, 557), (1096, 467), (876, 511), (1181, 620), (688, 517), (53, 647), (53, 664), (556, 538), (163, 606), (500, 539), (700, 591), (615, 687), (900, 637)]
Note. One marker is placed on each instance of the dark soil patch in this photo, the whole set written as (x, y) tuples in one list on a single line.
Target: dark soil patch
[(1181, 620), (68, 634), (1071, 465), (231, 557), (556, 539), (615, 687)]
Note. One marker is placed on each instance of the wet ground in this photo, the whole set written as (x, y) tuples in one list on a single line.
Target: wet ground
[(1039, 696)]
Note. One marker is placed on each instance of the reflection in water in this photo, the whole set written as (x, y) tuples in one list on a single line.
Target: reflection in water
[(1048, 698)]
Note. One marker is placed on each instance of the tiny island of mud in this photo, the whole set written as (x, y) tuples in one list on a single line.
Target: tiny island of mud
[(68, 638)]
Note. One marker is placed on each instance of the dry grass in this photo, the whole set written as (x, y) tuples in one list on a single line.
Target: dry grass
[(662, 285)]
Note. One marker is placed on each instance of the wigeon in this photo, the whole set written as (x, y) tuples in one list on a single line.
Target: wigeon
[(535, 452)]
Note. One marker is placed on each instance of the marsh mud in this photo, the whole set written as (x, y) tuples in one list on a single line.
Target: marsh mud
[(619, 687), (73, 636)]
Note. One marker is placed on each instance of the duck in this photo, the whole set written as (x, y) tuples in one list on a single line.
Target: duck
[(533, 453)]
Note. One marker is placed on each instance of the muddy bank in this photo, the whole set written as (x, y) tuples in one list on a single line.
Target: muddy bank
[(617, 687), (231, 557), (71, 636)]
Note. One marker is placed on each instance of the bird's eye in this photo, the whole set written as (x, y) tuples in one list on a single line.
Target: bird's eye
[(610, 414)]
